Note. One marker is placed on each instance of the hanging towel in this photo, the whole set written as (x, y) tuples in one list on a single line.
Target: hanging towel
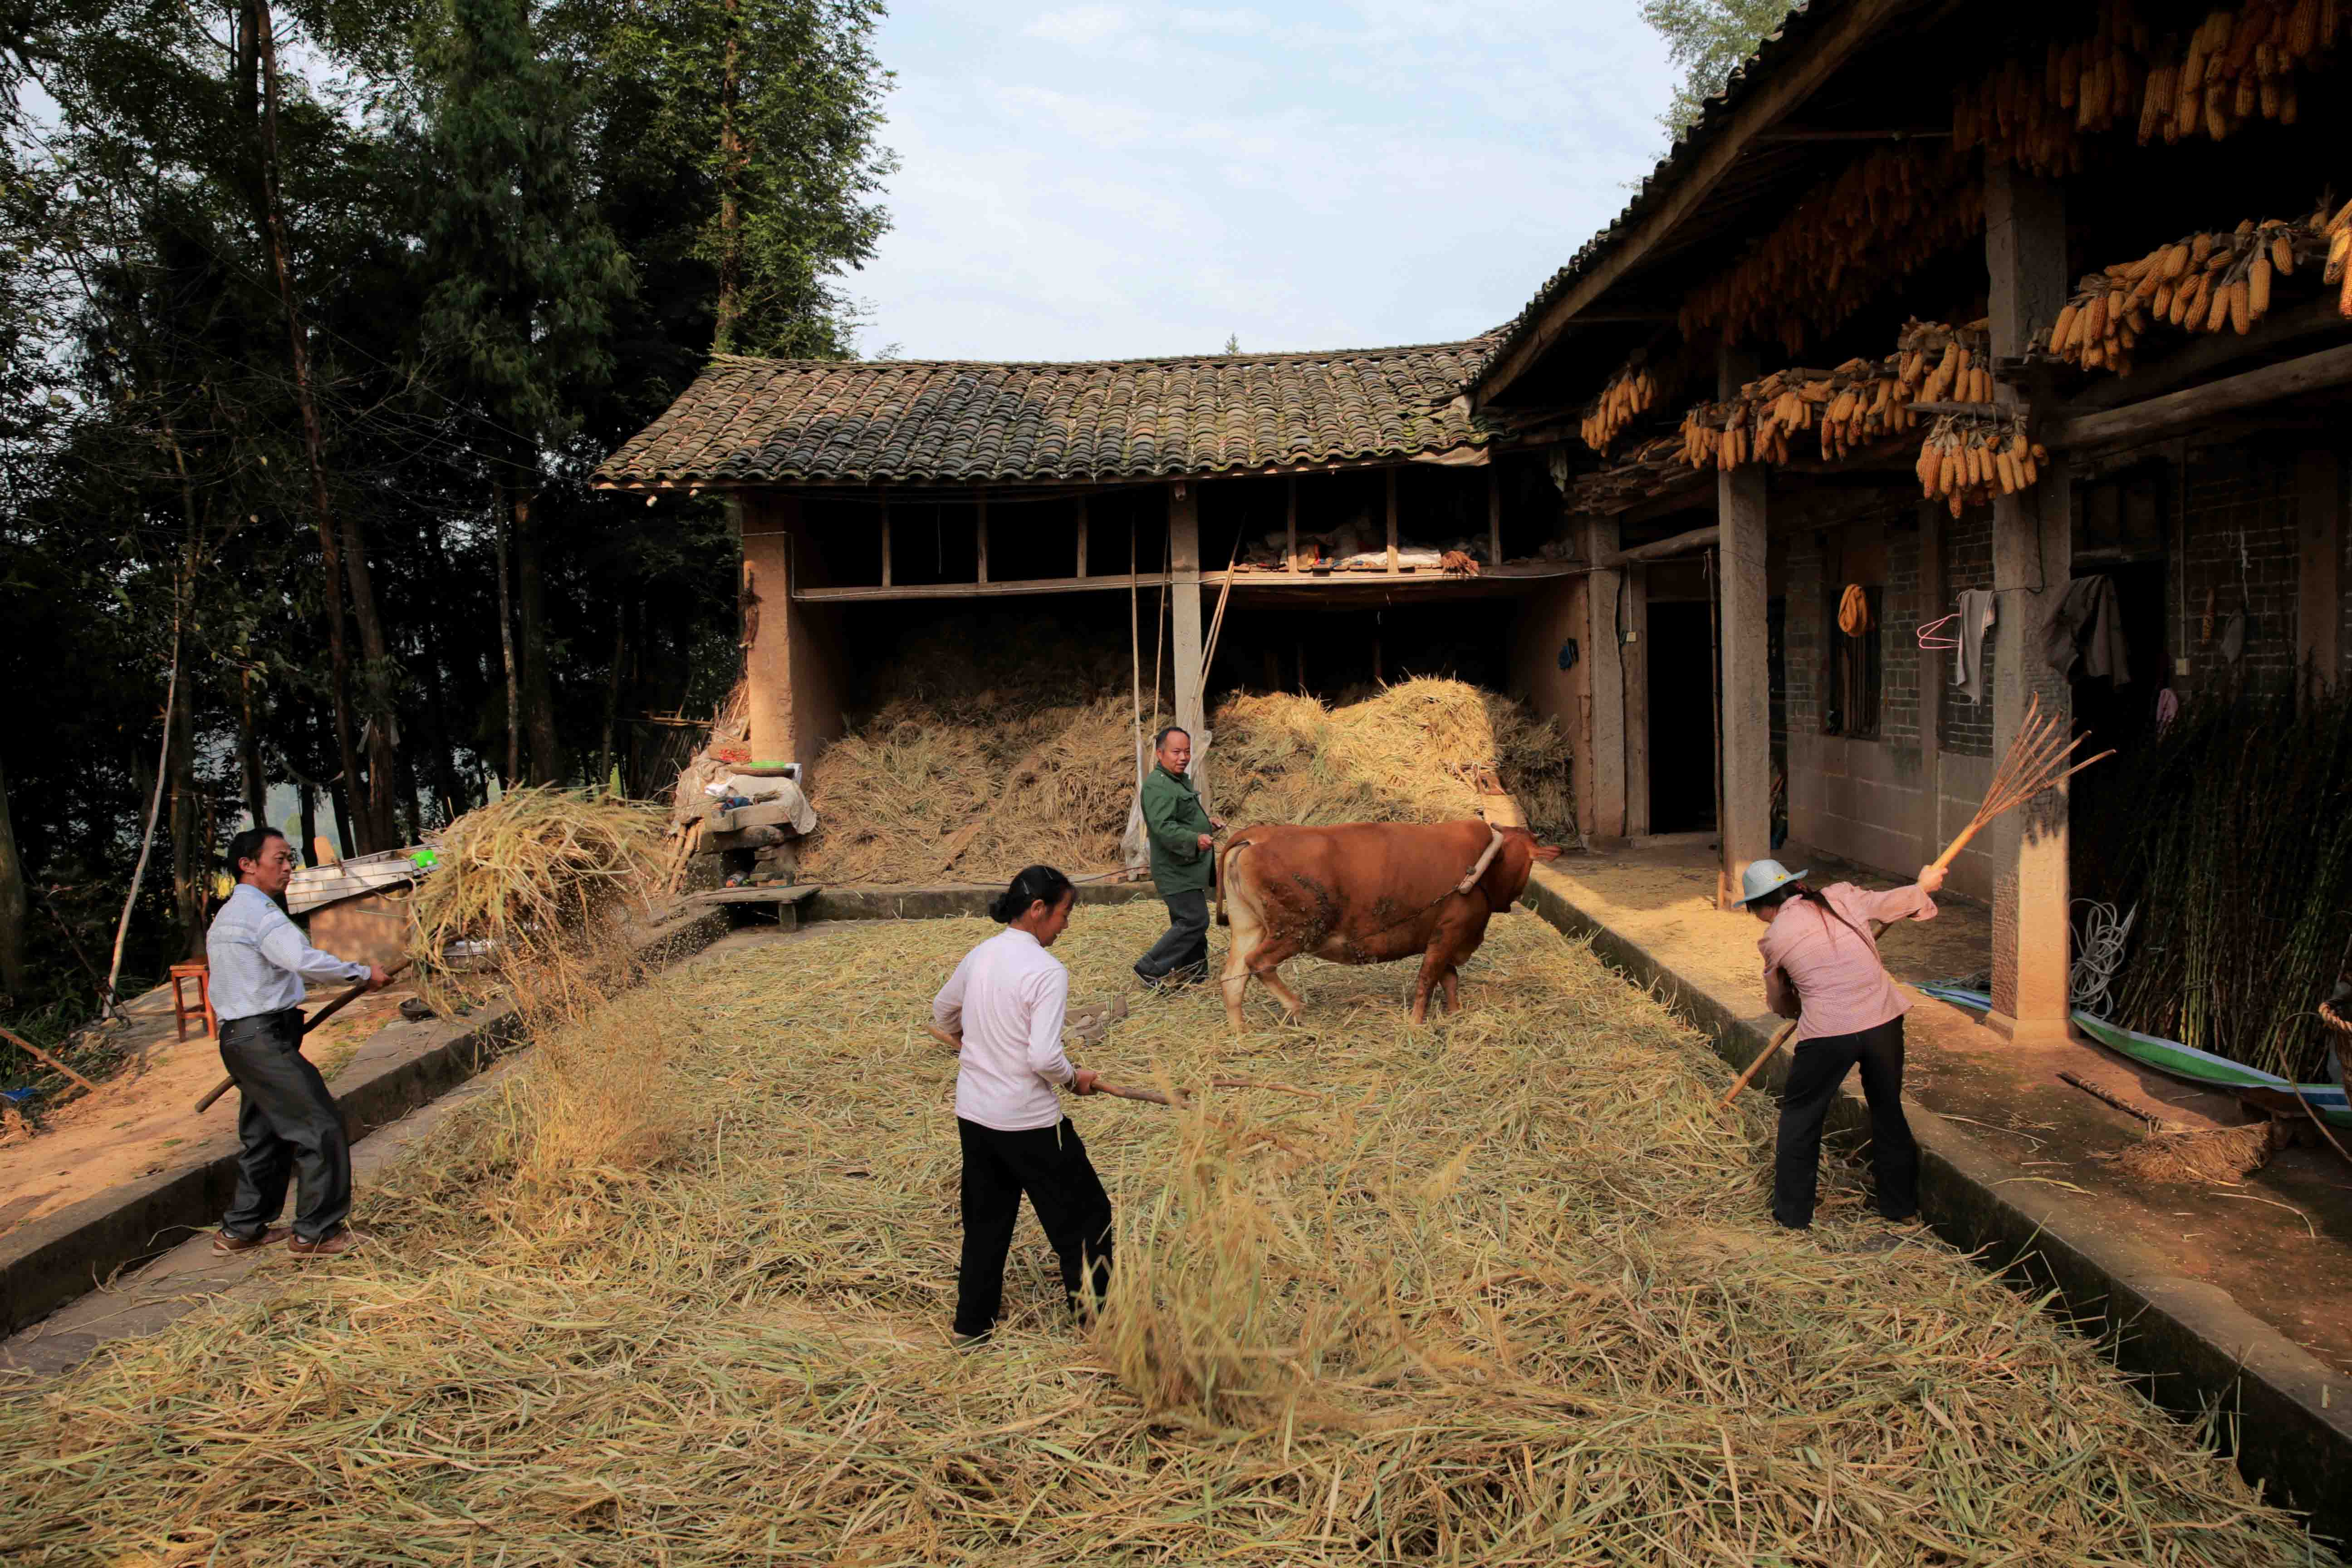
[(2089, 628), (1967, 659)]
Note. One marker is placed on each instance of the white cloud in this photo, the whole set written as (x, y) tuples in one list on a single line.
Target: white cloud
[(1109, 181)]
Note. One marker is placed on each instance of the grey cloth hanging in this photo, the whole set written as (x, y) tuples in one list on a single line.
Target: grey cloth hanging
[(2088, 629), (1967, 659)]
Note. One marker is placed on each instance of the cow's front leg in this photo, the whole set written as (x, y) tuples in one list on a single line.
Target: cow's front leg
[(1433, 967)]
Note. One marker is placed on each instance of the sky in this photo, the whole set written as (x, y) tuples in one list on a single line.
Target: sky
[(1104, 181)]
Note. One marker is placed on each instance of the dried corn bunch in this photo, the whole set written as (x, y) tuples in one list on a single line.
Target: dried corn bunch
[(1868, 403), (2201, 282), (1967, 459), (2237, 64), (1942, 363), (2337, 232), (1632, 391), (1843, 244)]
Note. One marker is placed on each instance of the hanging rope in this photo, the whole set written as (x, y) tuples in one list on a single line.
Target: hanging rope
[(2099, 951)]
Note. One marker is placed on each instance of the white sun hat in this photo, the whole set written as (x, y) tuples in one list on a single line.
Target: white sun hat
[(1762, 877)]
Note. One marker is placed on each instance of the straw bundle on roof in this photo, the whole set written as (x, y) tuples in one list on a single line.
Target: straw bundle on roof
[(1484, 1301)]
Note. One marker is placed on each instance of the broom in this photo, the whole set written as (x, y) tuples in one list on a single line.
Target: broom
[(2035, 760)]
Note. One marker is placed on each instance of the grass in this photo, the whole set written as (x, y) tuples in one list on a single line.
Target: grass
[(1504, 1292)]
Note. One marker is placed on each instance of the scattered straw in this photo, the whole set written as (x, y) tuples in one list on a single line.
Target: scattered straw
[(1502, 1293)]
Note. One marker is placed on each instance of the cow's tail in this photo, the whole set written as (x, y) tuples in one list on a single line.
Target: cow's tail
[(1225, 855)]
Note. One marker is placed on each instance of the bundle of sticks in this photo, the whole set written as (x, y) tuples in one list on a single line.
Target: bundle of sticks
[(2037, 758)]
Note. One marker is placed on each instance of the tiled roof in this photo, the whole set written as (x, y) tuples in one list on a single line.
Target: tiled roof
[(758, 421)]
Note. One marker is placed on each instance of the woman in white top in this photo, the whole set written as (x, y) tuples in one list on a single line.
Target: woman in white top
[(1006, 1001)]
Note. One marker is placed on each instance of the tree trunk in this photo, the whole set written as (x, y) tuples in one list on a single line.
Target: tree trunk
[(446, 781), (507, 649), (308, 794), (384, 774), (147, 835), (187, 894), (612, 692), (313, 434), (731, 173), (538, 692), (249, 750), (12, 903)]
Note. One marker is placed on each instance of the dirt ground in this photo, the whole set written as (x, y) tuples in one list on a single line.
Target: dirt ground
[(143, 1116), (2280, 1241)]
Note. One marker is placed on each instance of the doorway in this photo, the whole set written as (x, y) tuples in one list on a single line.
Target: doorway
[(1682, 717)]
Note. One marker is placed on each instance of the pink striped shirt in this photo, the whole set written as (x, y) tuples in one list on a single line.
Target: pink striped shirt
[(1834, 973)]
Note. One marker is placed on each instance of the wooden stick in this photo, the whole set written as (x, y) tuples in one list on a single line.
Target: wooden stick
[(325, 1012), (2118, 1101), (31, 1049), (1780, 1039), (1103, 1085)]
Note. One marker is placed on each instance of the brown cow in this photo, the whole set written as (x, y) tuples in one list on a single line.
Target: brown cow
[(1365, 892)]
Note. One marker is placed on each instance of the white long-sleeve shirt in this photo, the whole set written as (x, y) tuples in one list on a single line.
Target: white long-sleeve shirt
[(258, 959), (1008, 998)]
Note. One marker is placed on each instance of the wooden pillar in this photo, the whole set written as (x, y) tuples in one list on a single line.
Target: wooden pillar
[(2033, 561), (1745, 828), (1391, 476), (979, 536), (1082, 538), (1636, 664), (1184, 609), (886, 542), (789, 669), (1604, 704), (1290, 522), (1935, 674), (1494, 515), (2319, 535)]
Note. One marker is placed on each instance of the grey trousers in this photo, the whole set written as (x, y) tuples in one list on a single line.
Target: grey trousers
[(1185, 943), (286, 1120)]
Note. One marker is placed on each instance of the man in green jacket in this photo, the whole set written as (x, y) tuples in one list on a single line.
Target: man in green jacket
[(1184, 864)]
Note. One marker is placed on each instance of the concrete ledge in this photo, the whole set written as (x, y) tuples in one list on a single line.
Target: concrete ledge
[(946, 901), (53, 1259), (2197, 1349)]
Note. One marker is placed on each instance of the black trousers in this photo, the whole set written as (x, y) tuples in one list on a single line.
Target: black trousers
[(285, 1120), (1815, 1071), (1050, 1164), (1185, 944)]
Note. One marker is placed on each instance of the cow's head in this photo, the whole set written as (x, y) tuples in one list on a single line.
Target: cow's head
[(1507, 874)]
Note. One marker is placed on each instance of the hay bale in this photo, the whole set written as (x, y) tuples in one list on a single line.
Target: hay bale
[(1486, 1300)]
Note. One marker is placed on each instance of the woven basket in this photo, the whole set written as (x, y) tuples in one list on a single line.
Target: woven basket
[(2335, 1020)]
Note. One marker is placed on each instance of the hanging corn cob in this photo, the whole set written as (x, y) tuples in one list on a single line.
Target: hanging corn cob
[(1967, 459), (2238, 63), (2336, 232), (1631, 392), (2199, 283), (1841, 244)]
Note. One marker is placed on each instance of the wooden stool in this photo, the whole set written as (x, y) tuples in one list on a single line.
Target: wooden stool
[(201, 972)]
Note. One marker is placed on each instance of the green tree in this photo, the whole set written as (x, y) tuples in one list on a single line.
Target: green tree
[(1707, 40), (527, 276)]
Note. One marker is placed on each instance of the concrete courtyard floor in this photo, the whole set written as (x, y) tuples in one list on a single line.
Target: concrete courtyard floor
[(2280, 1241)]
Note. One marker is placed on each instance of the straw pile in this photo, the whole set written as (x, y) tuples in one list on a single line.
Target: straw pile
[(1504, 1294), (1406, 754), (536, 881), (2215, 1154)]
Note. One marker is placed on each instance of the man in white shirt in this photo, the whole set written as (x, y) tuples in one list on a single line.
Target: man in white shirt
[(286, 1118), (1006, 1001)]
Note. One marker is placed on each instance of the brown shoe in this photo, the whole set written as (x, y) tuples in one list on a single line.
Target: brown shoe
[(228, 1246), (335, 1245)]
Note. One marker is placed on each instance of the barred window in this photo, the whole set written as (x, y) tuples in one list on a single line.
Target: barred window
[(1856, 669)]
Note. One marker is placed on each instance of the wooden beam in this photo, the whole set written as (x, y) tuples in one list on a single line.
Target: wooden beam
[(1908, 133), (1660, 549), (1392, 519), (886, 543), (1789, 85), (979, 536), (2204, 355), (1290, 523), (2184, 410), (1082, 537), (1494, 518), (1424, 584)]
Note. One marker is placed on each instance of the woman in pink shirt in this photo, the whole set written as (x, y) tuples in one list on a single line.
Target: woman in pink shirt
[(1821, 968)]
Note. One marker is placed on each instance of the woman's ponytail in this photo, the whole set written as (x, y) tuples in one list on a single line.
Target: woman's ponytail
[(1783, 894), (1036, 884)]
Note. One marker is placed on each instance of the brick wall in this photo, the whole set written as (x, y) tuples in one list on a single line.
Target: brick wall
[(1804, 636), (1966, 728), (2238, 508), (1901, 660)]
